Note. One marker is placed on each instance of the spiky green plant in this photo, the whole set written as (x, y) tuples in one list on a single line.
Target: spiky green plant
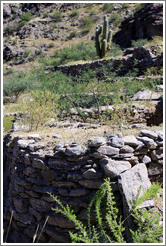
[(103, 38)]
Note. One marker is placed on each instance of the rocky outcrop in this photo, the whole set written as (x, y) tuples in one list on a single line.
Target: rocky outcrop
[(145, 23), (73, 173)]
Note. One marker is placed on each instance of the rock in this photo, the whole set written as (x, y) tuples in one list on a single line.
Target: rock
[(146, 159), (155, 169), (57, 235), (126, 149), (29, 171), (130, 140), (36, 136), (108, 150), (59, 164), (129, 183), (96, 142), (150, 143), (21, 205), (26, 219), (36, 146), (92, 174), (143, 95), (116, 142), (49, 174), (156, 155), (66, 184), (60, 221), (75, 151), (149, 134), (78, 192), (21, 143), (74, 176), (57, 136), (40, 205), (113, 168), (23, 182), (37, 163), (91, 184)]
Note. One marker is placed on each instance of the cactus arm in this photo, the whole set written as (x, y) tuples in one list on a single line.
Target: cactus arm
[(104, 48), (97, 42), (109, 39)]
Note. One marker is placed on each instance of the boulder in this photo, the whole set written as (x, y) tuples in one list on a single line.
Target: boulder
[(130, 140), (96, 142), (108, 150), (113, 168), (75, 150)]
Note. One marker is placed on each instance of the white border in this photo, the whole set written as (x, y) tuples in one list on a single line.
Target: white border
[(136, 1)]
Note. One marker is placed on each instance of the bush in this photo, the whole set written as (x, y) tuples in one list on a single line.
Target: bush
[(139, 42), (38, 107), (115, 19), (50, 45), (74, 13), (108, 7), (86, 22), (57, 16), (8, 123), (148, 228), (72, 34), (27, 16)]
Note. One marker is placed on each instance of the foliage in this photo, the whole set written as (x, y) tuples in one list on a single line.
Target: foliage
[(74, 13), (7, 123), (109, 227), (115, 19), (57, 16), (139, 42), (50, 45), (86, 22), (27, 16), (72, 34), (139, 6), (108, 7), (38, 107)]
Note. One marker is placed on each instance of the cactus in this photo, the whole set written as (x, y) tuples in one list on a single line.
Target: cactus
[(103, 38)]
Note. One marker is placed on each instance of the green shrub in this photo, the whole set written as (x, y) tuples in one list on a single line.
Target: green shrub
[(8, 123), (38, 107), (26, 53), (108, 7), (57, 16), (27, 16), (86, 22), (139, 42), (112, 231), (115, 19), (74, 13), (50, 45), (45, 15), (73, 34), (139, 6)]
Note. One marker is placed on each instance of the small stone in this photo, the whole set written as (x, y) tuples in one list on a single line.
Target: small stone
[(36, 136), (156, 155), (37, 163), (150, 143), (146, 159), (108, 150), (29, 171), (96, 142), (75, 151), (116, 142), (91, 184), (27, 160), (78, 192), (130, 140), (113, 168), (21, 143), (66, 184), (57, 136), (92, 174), (155, 169), (126, 149)]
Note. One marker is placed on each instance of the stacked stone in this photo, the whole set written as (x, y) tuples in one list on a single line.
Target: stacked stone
[(74, 173)]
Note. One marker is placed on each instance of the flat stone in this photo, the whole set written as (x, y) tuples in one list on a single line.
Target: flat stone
[(92, 174), (60, 221), (43, 189), (29, 171), (78, 192), (74, 176), (36, 136), (57, 235), (27, 160), (150, 143), (21, 143), (36, 214), (66, 184), (75, 151), (37, 163), (23, 218), (130, 140), (146, 159), (49, 174), (21, 205), (123, 156), (23, 182), (116, 142), (97, 155), (36, 146), (96, 142), (61, 164), (126, 149), (113, 168), (40, 205), (91, 184), (108, 150), (160, 134), (155, 169), (149, 134)]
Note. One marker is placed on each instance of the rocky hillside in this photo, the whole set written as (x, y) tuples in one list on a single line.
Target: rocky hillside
[(34, 30)]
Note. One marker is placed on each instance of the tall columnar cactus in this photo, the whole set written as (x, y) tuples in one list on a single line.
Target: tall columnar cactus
[(103, 38)]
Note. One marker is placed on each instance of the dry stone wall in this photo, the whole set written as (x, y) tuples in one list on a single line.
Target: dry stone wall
[(73, 173)]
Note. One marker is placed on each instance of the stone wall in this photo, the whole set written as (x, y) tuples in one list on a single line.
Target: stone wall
[(144, 56), (73, 173)]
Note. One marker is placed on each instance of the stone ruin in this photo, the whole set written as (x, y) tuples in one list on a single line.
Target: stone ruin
[(73, 173)]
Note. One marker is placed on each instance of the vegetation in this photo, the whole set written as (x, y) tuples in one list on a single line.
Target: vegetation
[(103, 38), (57, 16), (7, 123), (109, 226)]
